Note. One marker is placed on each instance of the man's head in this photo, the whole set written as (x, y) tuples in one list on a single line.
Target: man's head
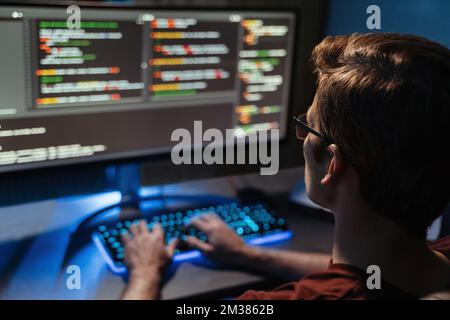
[(385, 101)]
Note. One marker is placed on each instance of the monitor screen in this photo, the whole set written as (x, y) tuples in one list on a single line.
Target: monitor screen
[(117, 84)]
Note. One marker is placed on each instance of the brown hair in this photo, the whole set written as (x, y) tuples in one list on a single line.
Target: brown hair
[(385, 100)]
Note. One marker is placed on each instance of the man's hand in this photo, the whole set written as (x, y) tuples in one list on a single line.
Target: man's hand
[(146, 257), (145, 251), (223, 244)]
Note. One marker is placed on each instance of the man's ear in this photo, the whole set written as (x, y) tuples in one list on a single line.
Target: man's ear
[(335, 165)]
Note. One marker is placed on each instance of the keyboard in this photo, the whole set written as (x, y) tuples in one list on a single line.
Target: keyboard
[(256, 224)]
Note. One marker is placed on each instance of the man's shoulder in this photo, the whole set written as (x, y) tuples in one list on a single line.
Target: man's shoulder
[(442, 245), (337, 282)]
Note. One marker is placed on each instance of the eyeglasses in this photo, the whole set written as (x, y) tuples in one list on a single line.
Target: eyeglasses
[(302, 129)]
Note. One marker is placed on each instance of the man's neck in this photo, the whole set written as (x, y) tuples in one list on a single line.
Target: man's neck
[(364, 238)]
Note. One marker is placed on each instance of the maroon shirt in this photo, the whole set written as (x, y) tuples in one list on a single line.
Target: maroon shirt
[(339, 281)]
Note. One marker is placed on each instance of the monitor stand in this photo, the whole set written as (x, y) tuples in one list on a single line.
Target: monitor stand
[(128, 181)]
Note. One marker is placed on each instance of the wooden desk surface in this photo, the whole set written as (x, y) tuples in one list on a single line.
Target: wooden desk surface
[(34, 238)]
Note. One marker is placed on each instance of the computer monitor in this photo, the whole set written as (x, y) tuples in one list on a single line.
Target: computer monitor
[(111, 90)]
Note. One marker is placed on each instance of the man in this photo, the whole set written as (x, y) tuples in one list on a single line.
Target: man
[(374, 147)]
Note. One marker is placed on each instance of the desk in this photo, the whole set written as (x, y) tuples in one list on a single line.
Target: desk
[(34, 238)]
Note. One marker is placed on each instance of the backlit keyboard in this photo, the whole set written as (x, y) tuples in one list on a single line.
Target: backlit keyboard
[(256, 224)]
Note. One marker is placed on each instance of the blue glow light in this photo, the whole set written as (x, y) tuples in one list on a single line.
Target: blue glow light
[(150, 191), (101, 248), (187, 255), (272, 238)]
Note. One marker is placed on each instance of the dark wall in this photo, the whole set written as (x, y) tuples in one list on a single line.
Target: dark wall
[(427, 18)]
